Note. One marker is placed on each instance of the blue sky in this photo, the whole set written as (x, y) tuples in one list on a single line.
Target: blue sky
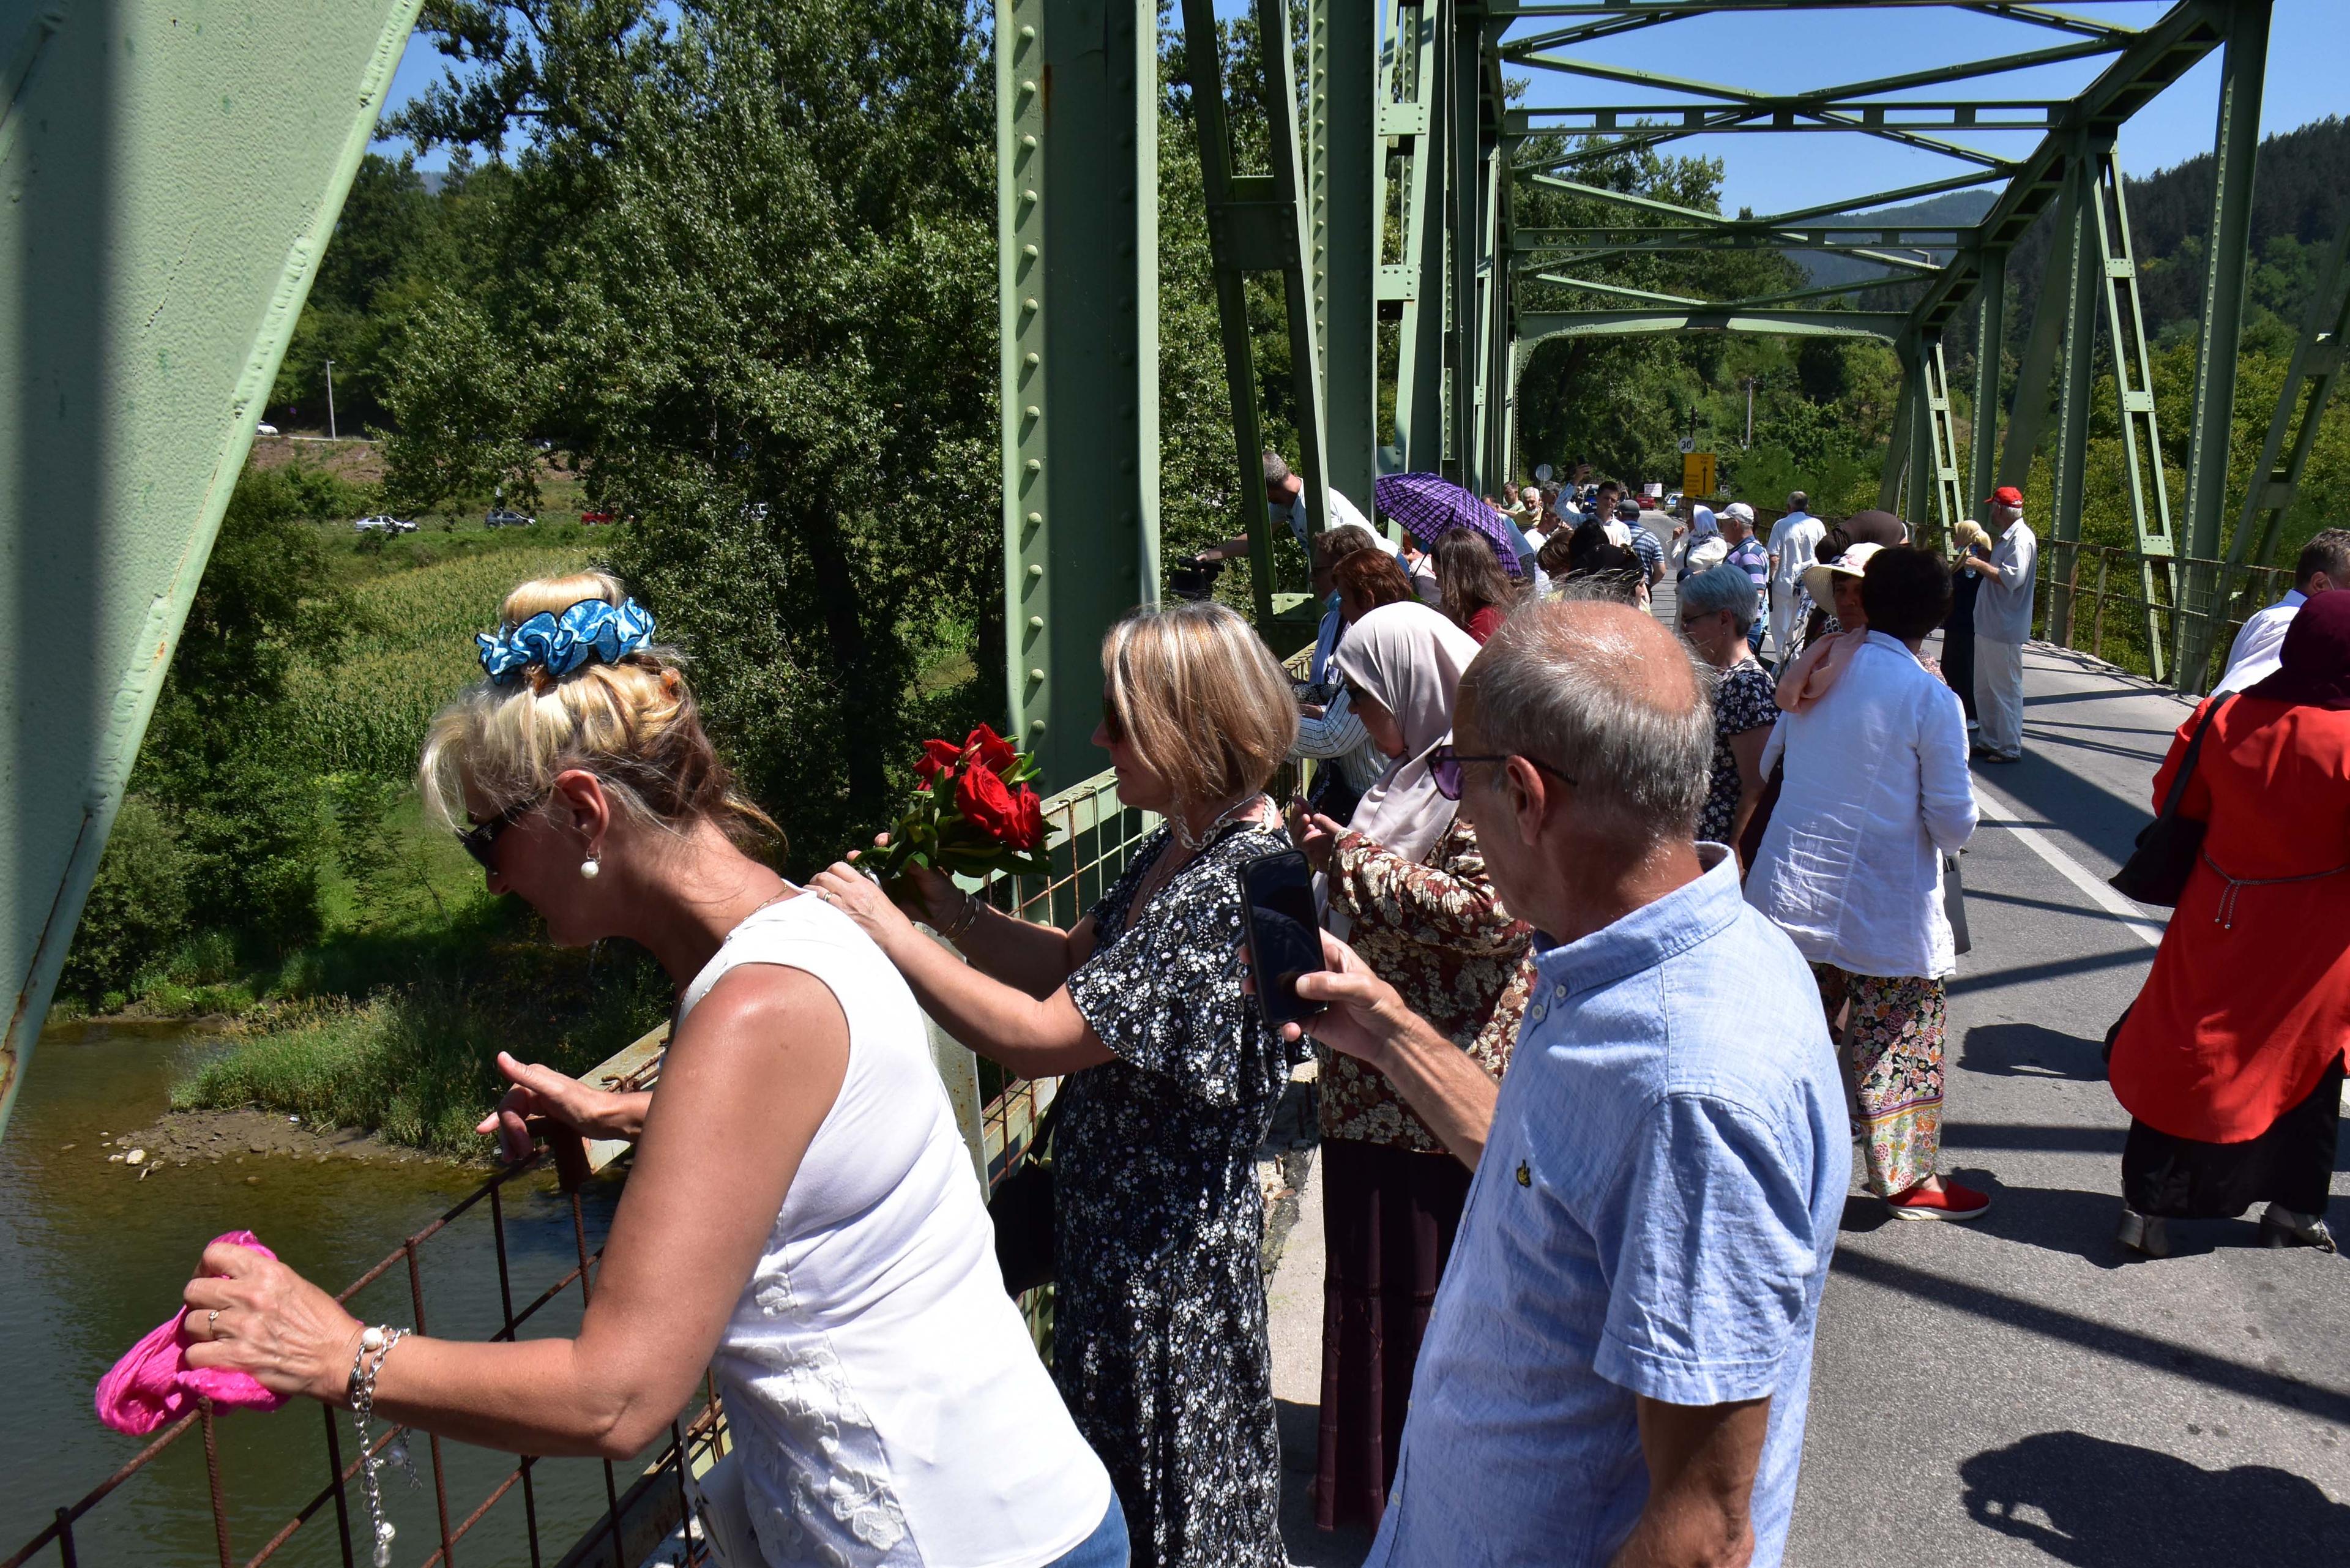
[(2309, 41)]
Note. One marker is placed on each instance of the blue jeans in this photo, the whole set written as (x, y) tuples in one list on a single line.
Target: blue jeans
[(1107, 1547)]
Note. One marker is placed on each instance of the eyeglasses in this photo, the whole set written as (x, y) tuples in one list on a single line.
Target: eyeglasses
[(1444, 768), (479, 840)]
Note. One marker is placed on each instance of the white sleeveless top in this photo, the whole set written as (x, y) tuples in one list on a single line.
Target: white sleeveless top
[(891, 1407)]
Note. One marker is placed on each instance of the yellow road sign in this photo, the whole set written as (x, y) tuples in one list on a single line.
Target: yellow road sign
[(1697, 473)]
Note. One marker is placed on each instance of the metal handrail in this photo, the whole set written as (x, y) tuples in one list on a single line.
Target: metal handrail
[(2102, 565)]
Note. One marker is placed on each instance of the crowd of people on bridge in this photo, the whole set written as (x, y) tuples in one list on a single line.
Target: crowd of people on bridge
[(1638, 941)]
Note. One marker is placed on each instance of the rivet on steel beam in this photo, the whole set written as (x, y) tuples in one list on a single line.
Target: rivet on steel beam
[(1035, 465), (1031, 359), (1027, 35), (1029, 195), (1032, 411), (1035, 674), (1035, 726), (1027, 86), (1035, 571), (1028, 304), (1035, 519), (1029, 251), (1035, 623), (1028, 142)]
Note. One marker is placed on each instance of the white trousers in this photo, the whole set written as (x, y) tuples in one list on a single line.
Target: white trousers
[(1999, 694), (1782, 605)]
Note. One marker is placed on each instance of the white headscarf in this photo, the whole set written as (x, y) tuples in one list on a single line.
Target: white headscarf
[(1407, 659)]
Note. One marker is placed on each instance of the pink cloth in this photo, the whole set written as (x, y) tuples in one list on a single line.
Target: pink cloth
[(153, 1384), (1815, 670)]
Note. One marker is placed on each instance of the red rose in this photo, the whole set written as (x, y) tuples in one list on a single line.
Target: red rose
[(994, 753), (1028, 820), (938, 757), (986, 804)]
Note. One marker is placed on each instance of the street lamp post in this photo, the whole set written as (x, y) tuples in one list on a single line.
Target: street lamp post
[(330, 399)]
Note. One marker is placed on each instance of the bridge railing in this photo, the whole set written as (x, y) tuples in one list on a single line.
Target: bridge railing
[(2110, 608)]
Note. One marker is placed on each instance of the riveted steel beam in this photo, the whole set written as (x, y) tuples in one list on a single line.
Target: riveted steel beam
[(1414, 111), (1344, 178), (2144, 488), (1078, 260), (171, 189), (1533, 326), (2309, 380), (1990, 338), (2080, 269), (2227, 255)]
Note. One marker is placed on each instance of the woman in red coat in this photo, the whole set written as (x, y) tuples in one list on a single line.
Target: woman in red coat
[(2230, 1061)]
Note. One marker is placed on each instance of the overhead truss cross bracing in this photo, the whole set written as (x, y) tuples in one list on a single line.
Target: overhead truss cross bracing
[(1402, 141)]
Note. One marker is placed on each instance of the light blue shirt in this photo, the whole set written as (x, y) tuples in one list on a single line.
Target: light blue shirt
[(1653, 1215)]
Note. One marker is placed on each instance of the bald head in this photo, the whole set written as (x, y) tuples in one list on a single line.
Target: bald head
[(1605, 695)]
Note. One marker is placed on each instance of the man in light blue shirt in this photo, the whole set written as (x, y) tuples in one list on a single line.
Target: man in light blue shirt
[(1619, 1358)]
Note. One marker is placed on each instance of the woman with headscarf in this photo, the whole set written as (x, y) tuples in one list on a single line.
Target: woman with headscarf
[(2229, 1062), (1406, 886), (1969, 539)]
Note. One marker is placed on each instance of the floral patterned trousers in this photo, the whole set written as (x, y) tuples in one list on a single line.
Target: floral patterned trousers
[(1892, 1051)]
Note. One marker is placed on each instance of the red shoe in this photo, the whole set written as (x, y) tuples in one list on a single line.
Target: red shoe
[(1953, 1202)]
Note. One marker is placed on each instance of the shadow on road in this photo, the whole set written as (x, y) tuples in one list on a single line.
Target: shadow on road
[(2032, 1050), (2098, 1504)]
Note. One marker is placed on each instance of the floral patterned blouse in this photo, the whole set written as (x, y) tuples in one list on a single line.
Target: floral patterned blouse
[(1436, 931)]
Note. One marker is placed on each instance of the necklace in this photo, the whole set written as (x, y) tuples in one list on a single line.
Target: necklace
[(1191, 844)]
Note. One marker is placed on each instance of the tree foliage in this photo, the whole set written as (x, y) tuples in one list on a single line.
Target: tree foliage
[(745, 278)]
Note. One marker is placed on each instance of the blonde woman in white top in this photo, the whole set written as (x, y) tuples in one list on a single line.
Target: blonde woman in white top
[(801, 1213)]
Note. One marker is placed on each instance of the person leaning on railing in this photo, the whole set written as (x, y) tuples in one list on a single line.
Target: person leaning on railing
[(1158, 1330), (801, 1215)]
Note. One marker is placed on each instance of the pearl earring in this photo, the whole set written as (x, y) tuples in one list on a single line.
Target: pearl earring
[(591, 868)]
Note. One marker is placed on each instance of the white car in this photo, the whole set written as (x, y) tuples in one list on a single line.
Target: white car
[(265, 430), (381, 523)]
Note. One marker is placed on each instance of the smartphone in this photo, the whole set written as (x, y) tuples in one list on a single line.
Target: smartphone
[(1283, 932)]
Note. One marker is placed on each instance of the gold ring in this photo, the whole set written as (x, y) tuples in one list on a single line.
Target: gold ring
[(211, 1324)]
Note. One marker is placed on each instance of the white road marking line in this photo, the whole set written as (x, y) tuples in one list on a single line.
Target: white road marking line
[(2043, 842)]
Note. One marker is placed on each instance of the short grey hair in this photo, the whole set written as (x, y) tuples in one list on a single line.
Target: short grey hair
[(1574, 685), (1720, 589)]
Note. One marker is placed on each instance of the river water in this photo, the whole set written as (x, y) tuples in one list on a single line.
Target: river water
[(92, 1257)]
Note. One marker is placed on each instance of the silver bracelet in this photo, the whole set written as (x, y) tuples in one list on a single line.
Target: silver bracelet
[(376, 1342), (962, 922)]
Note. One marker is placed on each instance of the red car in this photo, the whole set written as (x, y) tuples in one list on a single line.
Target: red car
[(596, 517)]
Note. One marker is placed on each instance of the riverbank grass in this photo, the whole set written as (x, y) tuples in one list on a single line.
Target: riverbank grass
[(417, 1065)]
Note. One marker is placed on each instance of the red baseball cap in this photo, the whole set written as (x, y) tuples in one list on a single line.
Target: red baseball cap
[(2006, 496)]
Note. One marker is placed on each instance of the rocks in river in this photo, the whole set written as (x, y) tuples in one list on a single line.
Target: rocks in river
[(136, 1157)]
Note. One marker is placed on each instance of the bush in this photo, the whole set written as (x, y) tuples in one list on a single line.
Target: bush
[(419, 1065), (138, 908)]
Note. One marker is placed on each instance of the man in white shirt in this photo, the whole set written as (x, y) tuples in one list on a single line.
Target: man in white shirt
[(2324, 564), (1794, 545), (2002, 624), (1285, 493)]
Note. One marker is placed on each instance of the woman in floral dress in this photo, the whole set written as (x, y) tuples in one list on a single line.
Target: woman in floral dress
[(1405, 888), (1160, 1345)]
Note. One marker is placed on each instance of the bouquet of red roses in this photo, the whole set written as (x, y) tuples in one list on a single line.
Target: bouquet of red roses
[(972, 810)]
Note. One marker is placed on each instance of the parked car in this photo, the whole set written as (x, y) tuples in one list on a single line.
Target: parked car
[(1672, 501), (502, 518), (381, 523), (264, 429), (597, 517)]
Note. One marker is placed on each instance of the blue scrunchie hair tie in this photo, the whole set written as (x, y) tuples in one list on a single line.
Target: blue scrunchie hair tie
[(589, 631)]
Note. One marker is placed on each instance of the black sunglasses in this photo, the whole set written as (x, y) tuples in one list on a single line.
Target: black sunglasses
[(1444, 768), (480, 839)]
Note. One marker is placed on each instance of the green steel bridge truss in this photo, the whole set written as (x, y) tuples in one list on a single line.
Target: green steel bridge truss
[(173, 179)]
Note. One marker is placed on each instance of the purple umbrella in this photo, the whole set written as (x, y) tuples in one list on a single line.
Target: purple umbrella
[(1428, 506)]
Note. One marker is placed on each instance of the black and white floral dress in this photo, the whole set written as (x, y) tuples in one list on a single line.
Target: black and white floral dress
[(1158, 1330), (1744, 700)]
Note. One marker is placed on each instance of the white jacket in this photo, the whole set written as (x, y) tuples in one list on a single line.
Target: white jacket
[(1877, 786)]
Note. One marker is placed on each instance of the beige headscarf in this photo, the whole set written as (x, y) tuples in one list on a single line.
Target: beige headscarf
[(1407, 659)]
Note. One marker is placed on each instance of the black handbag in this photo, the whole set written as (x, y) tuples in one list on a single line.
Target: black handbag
[(2158, 869), (1022, 1211)]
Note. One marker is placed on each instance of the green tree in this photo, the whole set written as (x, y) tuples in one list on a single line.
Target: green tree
[(744, 274)]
